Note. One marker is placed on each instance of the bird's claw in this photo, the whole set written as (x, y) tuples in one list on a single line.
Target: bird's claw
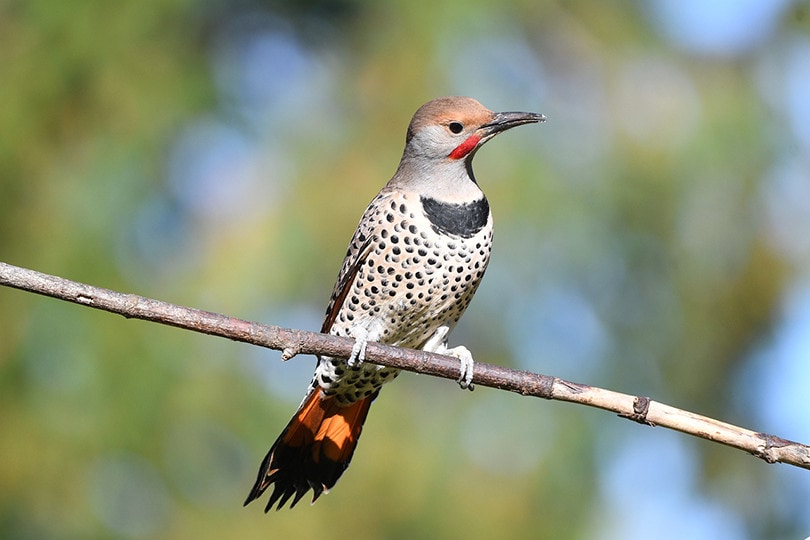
[(358, 354), (467, 364), (438, 344)]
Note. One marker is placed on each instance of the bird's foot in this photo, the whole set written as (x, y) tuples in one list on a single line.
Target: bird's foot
[(465, 356), (358, 354), (438, 344)]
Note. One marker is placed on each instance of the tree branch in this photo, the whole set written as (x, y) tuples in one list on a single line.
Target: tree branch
[(291, 342)]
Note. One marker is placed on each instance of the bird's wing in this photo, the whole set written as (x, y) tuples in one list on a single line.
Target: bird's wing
[(361, 245)]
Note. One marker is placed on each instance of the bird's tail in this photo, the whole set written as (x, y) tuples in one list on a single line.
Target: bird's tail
[(312, 451)]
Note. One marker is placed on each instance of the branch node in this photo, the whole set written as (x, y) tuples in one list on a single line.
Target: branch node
[(288, 353), (547, 387), (641, 406), (772, 442), (130, 307)]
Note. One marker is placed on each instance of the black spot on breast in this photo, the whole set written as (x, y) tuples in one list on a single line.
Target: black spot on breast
[(462, 220)]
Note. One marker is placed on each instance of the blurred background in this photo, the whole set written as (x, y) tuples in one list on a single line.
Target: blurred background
[(653, 237)]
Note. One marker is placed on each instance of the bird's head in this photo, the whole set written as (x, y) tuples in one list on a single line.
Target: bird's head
[(455, 127)]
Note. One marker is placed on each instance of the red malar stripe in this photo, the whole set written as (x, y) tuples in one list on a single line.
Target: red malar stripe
[(466, 147)]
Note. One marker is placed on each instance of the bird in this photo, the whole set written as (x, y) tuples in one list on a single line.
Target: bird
[(410, 271)]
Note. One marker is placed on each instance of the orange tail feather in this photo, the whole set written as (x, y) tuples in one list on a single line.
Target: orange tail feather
[(312, 451)]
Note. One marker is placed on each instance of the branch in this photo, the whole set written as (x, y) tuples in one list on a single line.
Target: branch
[(292, 342)]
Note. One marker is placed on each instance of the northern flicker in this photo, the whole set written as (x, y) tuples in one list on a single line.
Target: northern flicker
[(411, 269)]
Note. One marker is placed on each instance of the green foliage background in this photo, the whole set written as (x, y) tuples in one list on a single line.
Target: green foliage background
[(634, 250)]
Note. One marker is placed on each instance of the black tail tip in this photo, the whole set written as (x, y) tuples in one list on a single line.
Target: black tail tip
[(285, 492)]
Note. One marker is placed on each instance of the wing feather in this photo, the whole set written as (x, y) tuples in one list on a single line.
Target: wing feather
[(360, 246)]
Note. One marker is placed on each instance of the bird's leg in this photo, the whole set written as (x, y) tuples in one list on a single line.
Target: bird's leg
[(360, 335), (438, 344)]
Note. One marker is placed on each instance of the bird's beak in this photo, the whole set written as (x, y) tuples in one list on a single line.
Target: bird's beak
[(506, 120)]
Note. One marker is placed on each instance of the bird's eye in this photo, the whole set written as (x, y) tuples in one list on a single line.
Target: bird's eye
[(456, 127)]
